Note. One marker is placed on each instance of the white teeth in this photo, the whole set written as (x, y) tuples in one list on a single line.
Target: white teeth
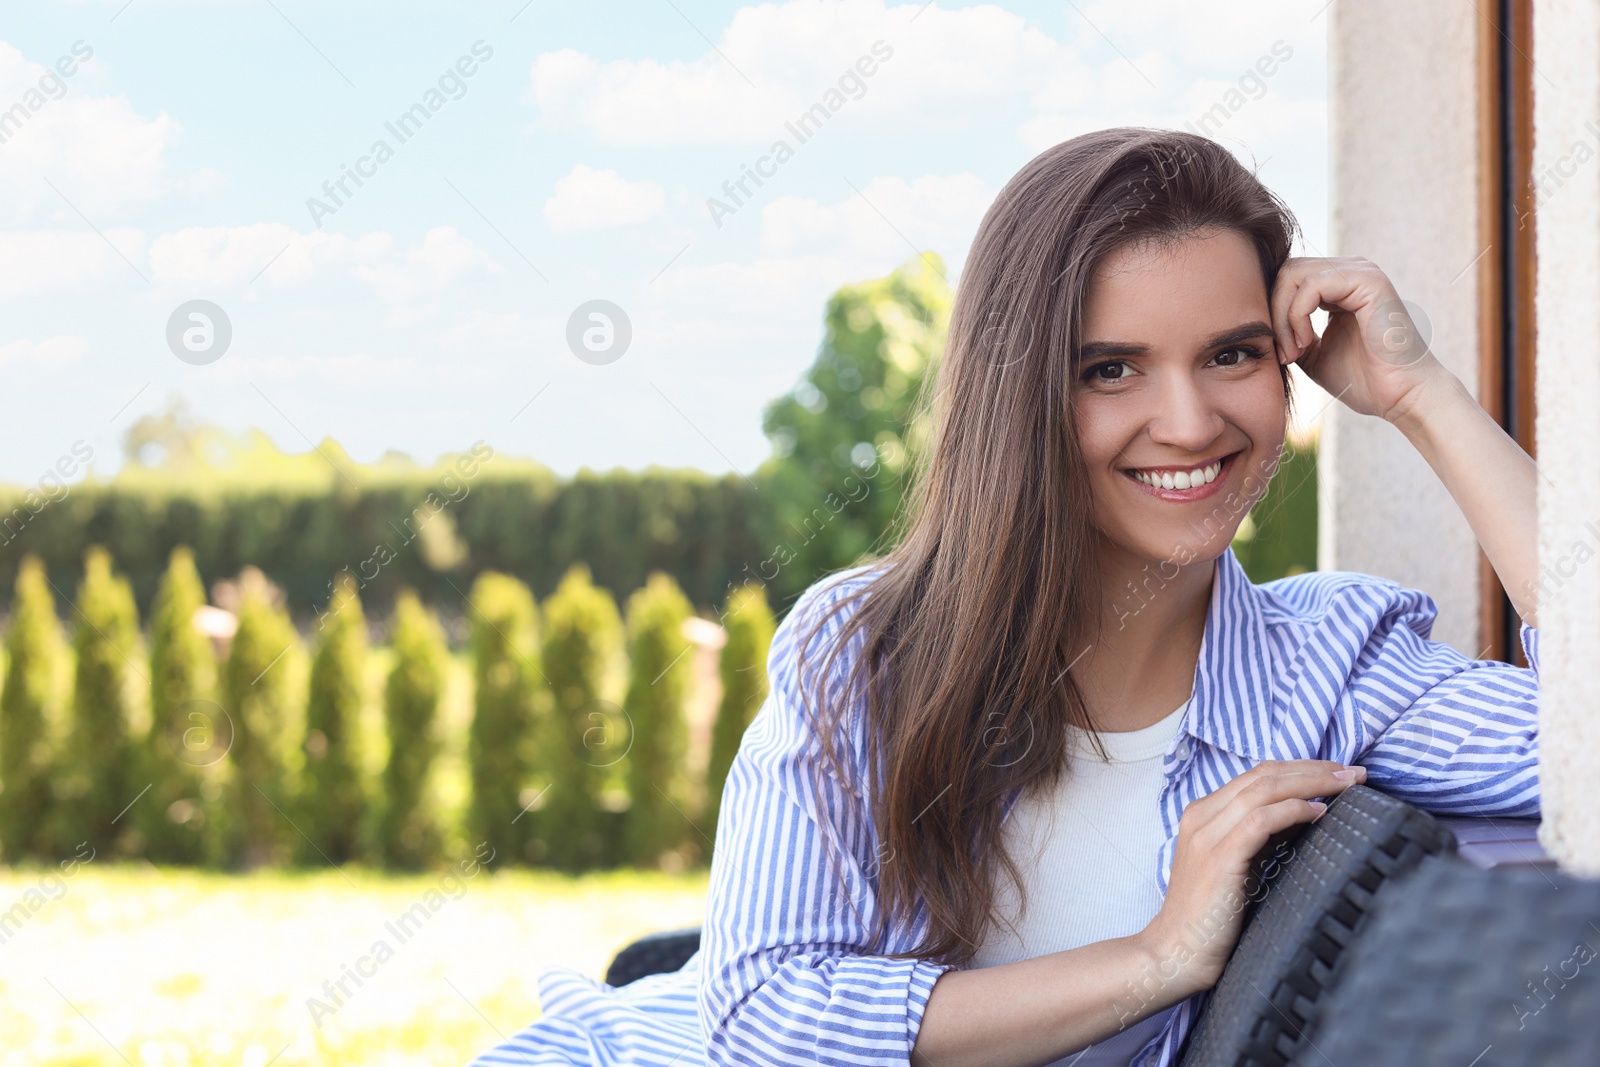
[(1191, 479)]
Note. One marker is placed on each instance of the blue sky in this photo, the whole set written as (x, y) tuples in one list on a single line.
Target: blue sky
[(573, 163)]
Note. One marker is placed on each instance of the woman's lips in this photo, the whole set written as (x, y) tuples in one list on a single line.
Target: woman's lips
[(1194, 492)]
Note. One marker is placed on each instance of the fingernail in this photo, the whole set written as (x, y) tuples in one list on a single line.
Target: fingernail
[(1350, 774)]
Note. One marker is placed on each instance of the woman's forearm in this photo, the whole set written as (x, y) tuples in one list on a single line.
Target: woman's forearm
[(1492, 479), (1037, 1010)]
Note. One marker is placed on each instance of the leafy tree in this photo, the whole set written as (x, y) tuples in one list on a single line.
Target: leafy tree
[(30, 709), (844, 439), (743, 668), (333, 802), (586, 734), (98, 784), (507, 706), (659, 672), (258, 683), (187, 728), (407, 835)]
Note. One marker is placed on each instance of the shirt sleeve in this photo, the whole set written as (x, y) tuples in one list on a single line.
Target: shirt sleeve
[(787, 975), (1449, 734)]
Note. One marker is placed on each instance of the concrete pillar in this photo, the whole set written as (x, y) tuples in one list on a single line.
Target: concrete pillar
[(1566, 171), (1404, 132)]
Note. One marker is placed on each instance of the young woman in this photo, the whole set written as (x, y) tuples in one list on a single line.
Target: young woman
[(1002, 801)]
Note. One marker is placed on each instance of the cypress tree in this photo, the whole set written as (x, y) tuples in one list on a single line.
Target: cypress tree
[(743, 669), (29, 714), (659, 671), (586, 735), (407, 835), (99, 784), (258, 682), (506, 708), (333, 803), (188, 731)]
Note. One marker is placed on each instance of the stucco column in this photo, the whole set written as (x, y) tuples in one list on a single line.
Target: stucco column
[(1404, 150), (1566, 169)]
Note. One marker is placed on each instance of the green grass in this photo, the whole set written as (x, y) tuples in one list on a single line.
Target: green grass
[(131, 965)]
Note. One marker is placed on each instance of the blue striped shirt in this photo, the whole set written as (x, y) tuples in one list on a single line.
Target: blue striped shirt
[(1325, 665)]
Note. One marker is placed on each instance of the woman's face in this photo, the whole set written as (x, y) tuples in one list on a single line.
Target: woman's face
[(1178, 396)]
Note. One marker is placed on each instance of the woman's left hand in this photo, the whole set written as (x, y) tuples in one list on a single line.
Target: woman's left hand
[(1371, 356)]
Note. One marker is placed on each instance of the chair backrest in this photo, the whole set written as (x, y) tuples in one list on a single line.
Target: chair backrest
[(1314, 900), (653, 954), (1470, 966)]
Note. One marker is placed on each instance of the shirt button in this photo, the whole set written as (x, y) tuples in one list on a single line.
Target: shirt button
[(1183, 750)]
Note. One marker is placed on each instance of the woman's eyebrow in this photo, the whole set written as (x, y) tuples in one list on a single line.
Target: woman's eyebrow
[(1100, 349)]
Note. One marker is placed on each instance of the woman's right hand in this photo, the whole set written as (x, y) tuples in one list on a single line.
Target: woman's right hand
[(1219, 837)]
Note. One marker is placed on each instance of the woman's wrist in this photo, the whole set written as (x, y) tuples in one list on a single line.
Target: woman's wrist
[(1436, 387), (1174, 963)]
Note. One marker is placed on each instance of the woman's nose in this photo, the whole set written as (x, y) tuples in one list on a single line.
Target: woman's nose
[(1185, 416)]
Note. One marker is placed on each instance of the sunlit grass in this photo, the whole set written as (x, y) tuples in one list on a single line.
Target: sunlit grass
[(129, 965)]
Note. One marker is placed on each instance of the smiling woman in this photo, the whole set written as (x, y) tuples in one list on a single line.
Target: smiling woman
[(1180, 396), (988, 814)]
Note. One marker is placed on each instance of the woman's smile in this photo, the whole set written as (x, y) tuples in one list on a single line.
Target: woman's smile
[(1184, 484)]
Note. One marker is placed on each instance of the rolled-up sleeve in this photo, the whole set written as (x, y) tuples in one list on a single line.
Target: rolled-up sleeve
[(787, 974), (1444, 732)]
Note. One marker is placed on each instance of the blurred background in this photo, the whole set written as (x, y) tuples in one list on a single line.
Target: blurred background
[(418, 418)]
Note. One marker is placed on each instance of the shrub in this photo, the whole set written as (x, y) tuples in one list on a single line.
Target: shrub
[(506, 708), (659, 671), (186, 736), (586, 734), (749, 623), (98, 784), (332, 803), (258, 682), (407, 835), (30, 710)]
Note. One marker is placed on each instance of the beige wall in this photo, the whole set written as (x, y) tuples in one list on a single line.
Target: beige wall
[(1566, 139), (1403, 128)]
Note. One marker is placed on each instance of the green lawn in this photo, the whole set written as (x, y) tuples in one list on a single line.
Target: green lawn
[(131, 965)]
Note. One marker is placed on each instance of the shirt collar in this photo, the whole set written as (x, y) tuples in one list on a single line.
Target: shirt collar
[(1232, 703)]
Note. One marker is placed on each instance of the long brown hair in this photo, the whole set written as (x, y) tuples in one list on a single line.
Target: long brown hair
[(963, 636)]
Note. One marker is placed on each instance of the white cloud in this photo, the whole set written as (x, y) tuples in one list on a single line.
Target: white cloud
[(774, 61), (279, 256), (1111, 64), (890, 218), (41, 261), (589, 199), (427, 269), (97, 150), (270, 251), (50, 353)]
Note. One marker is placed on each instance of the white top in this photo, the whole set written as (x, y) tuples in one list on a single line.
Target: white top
[(1088, 851)]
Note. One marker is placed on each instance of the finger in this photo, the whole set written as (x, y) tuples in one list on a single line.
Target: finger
[(1252, 832), (1339, 288), (1224, 794), (1290, 277), (1302, 783)]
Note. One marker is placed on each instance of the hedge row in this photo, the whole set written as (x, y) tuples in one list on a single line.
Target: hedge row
[(431, 531), (150, 746)]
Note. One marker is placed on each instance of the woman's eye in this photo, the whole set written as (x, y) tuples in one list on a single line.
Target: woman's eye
[(1233, 357), (1109, 371)]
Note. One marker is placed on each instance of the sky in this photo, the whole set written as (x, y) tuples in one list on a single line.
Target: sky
[(516, 162)]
